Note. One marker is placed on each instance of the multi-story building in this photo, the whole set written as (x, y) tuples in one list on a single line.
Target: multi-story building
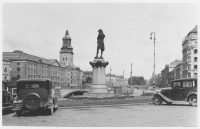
[(125, 82), (119, 80), (62, 74), (178, 71), (190, 56), (167, 74), (110, 80), (5, 73)]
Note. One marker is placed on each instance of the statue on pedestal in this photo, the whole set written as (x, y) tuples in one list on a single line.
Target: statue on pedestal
[(100, 43)]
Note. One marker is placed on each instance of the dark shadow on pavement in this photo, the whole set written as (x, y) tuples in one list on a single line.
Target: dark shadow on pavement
[(34, 113)]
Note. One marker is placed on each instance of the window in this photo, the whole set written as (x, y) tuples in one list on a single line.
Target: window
[(195, 66), (18, 68), (189, 75), (28, 76), (195, 58), (187, 83), (63, 58), (18, 63), (195, 51), (66, 58), (195, 74), (189, 67), (18, 76)]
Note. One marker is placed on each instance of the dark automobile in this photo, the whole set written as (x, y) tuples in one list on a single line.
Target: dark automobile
[(180, 90), (35, 94)]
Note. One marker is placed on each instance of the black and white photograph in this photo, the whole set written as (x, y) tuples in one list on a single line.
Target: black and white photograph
[(100, 63)]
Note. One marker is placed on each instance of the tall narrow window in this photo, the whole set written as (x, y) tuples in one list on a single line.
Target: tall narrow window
[(195, 58), (195, 51), (18, 68), (195, 66)]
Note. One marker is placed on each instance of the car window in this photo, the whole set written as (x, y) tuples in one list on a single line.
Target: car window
[(187, 84), (176, 84), (27, 86)]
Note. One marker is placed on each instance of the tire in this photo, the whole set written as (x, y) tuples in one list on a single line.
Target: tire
[(157, 100), (19, 113), (193, 100)]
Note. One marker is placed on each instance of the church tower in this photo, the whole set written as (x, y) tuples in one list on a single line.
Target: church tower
[(66, 53)]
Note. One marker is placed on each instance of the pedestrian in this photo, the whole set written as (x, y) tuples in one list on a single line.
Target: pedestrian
[(15, 98)]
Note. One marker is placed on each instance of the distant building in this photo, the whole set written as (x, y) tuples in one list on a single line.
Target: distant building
[(125, 82), (190, 54), (119, 80), (167, 74), (110, 80), (178, 71), (5, 73), (62, 73)]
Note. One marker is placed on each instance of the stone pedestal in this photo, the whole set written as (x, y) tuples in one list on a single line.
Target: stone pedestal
[(99, 78)]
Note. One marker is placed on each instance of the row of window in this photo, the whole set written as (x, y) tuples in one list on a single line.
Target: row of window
[(189, 67)]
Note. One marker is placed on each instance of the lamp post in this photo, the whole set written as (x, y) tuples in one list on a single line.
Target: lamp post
[(153, 33)]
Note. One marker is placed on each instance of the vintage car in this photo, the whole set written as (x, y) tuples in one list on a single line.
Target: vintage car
[(180, 90), (35, 94)]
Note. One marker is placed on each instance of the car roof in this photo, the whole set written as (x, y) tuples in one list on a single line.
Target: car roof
[(184, 79), (34, 79)]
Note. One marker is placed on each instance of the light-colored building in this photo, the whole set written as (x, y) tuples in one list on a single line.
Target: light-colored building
[(119, 80), (125, 82), (190, 54), (5, 73), (62, 74), (110, 80)]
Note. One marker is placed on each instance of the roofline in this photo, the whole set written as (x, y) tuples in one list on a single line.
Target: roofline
[(182, 79)]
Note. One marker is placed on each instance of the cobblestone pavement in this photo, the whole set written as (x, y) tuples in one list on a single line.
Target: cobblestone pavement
[(144, 115)]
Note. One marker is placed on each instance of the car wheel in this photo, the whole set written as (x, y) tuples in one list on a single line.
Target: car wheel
[(193, 100), (157, 100), (18, 113)]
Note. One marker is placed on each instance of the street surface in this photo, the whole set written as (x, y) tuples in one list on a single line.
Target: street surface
[(138, 115)]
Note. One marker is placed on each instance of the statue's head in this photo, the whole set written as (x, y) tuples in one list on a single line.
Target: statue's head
[(100, 30), (67, 32)]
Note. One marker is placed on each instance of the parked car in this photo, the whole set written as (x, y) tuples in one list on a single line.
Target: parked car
[(35, 94), (179, 90)]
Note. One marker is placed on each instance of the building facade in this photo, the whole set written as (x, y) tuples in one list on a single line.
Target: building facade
[(5, 73), (190, 54), (63, 73), (110, 80)]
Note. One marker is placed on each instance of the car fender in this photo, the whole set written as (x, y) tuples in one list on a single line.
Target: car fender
[(163, 97), (191, 93)]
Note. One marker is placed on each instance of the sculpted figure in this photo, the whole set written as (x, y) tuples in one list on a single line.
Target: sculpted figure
[(100, 43)]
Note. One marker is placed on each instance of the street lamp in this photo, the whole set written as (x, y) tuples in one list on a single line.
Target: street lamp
[(153, 33)]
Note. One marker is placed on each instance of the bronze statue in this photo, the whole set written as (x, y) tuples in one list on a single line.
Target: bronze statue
[(100, 43)]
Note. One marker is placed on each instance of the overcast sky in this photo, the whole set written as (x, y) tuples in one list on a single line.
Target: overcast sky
[(38, 28)]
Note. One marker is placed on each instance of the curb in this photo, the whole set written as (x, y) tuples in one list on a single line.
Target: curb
[(108, 105)]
